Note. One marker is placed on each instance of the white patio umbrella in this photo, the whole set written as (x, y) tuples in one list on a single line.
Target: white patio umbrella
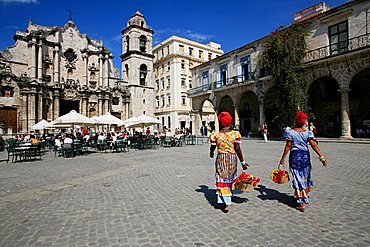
[(141, 121), (70, 119), (40, 125), (108, 119)]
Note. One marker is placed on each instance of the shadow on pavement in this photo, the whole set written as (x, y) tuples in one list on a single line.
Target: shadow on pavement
[(210, 195), (271, 194)]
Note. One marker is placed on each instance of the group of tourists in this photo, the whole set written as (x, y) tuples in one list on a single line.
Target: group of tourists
[(228, 140)]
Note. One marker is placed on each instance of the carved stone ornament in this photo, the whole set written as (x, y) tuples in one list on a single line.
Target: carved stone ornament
[(70, 94), (7, 55)]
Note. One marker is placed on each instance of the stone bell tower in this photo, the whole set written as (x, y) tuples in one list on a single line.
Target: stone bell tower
[(137, 65)]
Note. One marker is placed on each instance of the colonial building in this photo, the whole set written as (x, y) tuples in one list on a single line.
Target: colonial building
[(137, 65), (52, 70), (174, 57), (337, 68)]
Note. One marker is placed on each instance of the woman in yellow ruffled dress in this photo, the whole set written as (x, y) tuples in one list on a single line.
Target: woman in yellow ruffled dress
[(227, 142)]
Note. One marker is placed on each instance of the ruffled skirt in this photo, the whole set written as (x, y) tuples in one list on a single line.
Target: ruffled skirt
[(226, 171), (300, 168)]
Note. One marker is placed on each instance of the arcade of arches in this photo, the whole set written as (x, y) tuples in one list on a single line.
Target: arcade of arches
[(339, 108)]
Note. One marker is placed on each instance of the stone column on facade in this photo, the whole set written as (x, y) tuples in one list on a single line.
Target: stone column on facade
[(40, 107), (56, 64), (106, 106), (39, 61), (261, 107), (56, 105), (106, 71), (86, 75), (100, 106), (236, 113), (346, 122), (197, 120), (31, 110), (24, 113), (33, 58), (49, 116), (100, 70)]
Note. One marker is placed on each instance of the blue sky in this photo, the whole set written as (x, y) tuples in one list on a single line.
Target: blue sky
[(230, 23)]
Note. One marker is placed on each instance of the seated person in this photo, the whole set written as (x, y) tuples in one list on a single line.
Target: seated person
[(58, 142), (34, 140), (67, 142)]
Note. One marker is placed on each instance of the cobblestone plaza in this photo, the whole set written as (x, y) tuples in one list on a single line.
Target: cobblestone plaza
[(166, 197)]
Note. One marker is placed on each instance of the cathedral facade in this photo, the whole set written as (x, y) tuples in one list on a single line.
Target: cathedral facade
[(52, 70)]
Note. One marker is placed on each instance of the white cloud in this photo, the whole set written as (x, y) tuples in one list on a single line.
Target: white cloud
[(117, 38), (20, 1), (162, 34)]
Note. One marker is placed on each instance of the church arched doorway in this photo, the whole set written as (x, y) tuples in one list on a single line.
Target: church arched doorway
[(68, 105), (249, 114), (324, 101), (359, 100), (227, 104)]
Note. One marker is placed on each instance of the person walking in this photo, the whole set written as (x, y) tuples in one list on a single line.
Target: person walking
[(227, 142), (299, 159), (265, 131)]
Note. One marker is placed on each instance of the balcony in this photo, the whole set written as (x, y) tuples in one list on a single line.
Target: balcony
[(335, 49)]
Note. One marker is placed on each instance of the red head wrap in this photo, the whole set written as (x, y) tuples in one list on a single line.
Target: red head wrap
[(225, 118), (300, 118)]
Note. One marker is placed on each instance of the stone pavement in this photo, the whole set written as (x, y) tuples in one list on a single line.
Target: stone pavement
[(166, 197)]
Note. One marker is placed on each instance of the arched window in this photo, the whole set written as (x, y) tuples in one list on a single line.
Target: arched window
[(142, 43), (92, 76), (142, 24), (143, 72), (127, 43), (126, 67), (69, 73)]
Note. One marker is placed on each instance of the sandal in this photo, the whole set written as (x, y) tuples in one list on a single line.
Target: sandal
[(226, 209), (301, 207)]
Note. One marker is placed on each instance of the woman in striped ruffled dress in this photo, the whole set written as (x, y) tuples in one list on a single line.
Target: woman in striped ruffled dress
[(227, 142), (299, 159)]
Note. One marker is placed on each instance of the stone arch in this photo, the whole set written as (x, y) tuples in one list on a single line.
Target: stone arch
[(271, 111), (143, 72), (227, 104), (208, 115), (142, 43), (359, 102), (324, 101), (357, 67), (311, 77), (248, 112)]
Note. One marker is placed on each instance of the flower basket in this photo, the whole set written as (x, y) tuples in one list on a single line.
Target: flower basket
[(245, 182), (280, 176)]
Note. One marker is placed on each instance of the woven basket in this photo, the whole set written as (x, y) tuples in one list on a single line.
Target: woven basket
[(245, 186), (285, 178)]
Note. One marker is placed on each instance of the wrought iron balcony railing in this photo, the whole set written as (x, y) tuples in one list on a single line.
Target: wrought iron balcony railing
[(334, 49)]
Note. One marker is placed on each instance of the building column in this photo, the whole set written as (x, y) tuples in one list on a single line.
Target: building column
[(40, 107), (106, 72), (86, 75), (197, 122), (49, 116), (33, 58), (236, 113), (100, 70), (39, 62), (261, 107), (100, 106), (24, 113), (31, 110), (56, 64), (106, 106), (346, 123), (56, 106)]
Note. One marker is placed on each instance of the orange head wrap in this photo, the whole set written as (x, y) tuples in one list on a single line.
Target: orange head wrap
[(225, 118), (300, 118)]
